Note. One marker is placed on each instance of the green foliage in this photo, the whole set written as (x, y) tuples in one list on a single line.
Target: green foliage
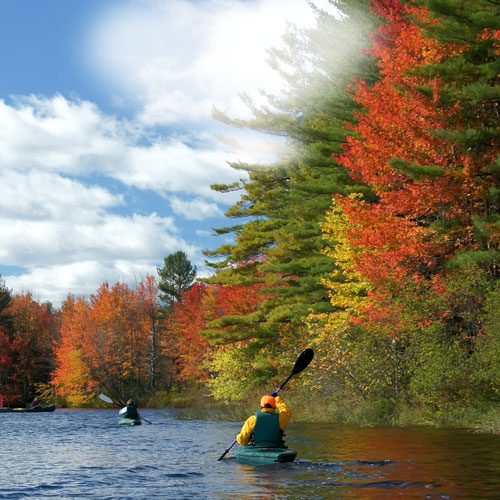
[(441, 371), (482, 258), (488, 422), (239, 372), (5, 299), (458, 21), (451, 361), (377, 411), (415, 171), (370, 366), (176, 276), (487, 351), (280, 242), (189, 397)]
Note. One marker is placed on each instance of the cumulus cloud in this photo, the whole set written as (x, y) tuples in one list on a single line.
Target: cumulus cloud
[(53, 220), (60, 135), (179, 58), (61, 257), (76, 138), (67, 169), (37, 195), (173, 166), (54, 283), (46, 242), (194, 209)]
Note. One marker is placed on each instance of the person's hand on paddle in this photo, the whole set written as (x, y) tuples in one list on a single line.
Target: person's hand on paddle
[(274, 394)]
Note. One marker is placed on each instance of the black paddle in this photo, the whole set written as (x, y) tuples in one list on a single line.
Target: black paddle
[(302, 362), (110, 401)]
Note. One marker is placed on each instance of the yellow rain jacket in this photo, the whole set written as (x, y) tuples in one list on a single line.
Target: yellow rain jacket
[(284, 417)]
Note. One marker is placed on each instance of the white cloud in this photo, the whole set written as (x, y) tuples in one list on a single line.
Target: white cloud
[(173, 166), (76, 138), (174, 59), (55, 283), (203, 233), (56, 134), (178, 58), (194, 209), (54, 241), (64, 257), (53, 223), (38, 195)]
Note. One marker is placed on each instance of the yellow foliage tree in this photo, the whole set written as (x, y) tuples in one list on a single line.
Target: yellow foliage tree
[(331, 333), (71, 377)]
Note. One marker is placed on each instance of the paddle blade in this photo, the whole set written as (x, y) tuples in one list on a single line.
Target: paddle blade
[(105, 398), (303, 361)]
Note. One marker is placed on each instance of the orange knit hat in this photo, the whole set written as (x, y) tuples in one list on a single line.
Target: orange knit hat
[(270, 400)]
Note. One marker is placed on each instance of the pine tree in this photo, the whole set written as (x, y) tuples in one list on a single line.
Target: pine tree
[(176, 276), (5, 299), (279, 242), (471, 88)]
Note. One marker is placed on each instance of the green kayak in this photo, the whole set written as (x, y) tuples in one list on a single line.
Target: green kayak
[(36, 409), (253, 455), (129, 421)]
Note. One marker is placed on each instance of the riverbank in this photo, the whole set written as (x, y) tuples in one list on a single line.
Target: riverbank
[(309, 408)]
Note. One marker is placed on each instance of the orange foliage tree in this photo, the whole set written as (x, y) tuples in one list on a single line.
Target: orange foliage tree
[(189, 316), (120, 342), (6, 367), (72, 377), (107, 343), (192, 317), (425, 144), (408, 145), (33, 340), (394, 132)]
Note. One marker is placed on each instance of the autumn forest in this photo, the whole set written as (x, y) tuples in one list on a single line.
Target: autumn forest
[(373, 238)]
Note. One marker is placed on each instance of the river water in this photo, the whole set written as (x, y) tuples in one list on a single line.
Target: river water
[(73, 454)]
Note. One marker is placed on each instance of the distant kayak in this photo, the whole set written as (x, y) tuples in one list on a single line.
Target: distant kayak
[(254, 455), (36, 409), (129, 421)]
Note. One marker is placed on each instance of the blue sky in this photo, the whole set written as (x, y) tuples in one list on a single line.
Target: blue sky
[(107, 146)]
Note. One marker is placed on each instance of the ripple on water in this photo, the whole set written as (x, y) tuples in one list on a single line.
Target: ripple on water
[(85, 454)]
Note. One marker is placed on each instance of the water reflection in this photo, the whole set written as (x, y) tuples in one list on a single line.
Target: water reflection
[(78, 454), (375, 463)]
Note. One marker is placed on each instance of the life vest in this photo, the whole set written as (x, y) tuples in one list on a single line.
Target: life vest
[(132, 412), (267, 432)]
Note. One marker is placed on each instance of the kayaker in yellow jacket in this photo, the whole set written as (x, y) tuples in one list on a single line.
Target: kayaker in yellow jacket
[(265, 428)]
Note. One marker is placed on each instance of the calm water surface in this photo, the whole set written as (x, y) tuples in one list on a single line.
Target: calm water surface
[(75, 454)]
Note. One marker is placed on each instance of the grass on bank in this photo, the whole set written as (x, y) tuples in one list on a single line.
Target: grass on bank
[(197, 404), (307, 407)]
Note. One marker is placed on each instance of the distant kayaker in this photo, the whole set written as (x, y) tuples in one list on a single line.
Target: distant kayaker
[(35, 403), (265, 428), (130, 411)]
